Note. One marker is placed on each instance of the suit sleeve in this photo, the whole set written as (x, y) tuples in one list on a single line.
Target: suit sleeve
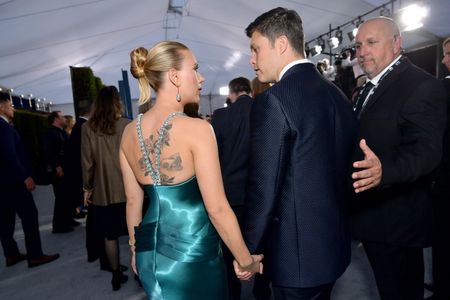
[(9, 153), (87, 159), (422, 123), (268, 152)]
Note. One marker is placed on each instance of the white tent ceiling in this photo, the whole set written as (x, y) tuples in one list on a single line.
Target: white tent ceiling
[(40, 39)]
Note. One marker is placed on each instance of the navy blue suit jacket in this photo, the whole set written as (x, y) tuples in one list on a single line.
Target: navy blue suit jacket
[(302, 134), (15, 165), (232, 128)]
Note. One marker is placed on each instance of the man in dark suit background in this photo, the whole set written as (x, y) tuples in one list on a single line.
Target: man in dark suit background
[(302, 134), (54, 147), (16, 185), (441, 241), (402, 118), (232, 128)]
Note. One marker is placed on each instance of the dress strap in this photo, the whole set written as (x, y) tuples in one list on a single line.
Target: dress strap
[(155, 171)]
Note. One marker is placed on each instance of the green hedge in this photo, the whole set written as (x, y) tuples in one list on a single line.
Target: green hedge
[(31, 127)]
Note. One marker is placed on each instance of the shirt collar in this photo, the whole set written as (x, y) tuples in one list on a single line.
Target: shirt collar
[(4, 118), (377, 78), (291, 64)]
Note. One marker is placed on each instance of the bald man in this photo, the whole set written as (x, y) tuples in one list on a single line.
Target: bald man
[(401, 110)]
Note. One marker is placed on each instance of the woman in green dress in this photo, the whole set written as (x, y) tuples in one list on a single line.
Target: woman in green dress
[(174, 160)]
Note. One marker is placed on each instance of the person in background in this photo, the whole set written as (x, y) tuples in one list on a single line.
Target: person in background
[(258, 87), (102, 178), (54, 148), (232, 128), (302, 132), (402, 113), (16, 185), (441, 188), (70, 123)]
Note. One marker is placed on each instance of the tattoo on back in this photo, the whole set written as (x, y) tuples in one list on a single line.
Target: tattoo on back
[(171, 163)]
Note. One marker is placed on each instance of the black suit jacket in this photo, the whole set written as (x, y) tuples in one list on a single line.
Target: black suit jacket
[(15, 165), (302, 134), (232, 128), (54, 147), (403, 123)]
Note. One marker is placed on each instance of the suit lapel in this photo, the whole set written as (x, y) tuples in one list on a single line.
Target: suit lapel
[(390, 79)]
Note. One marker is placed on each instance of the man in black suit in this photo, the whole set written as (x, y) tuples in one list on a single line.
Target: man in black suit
[(441, 241), (54, 147), (16, 185), (402, 119), (232, 128), (302, 132)]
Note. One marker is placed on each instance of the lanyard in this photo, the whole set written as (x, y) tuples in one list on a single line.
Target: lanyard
[(396, 64)]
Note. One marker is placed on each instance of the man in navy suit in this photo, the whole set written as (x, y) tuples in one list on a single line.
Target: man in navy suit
[(232, 128), (16, 185), (402, 114), (303, 131)]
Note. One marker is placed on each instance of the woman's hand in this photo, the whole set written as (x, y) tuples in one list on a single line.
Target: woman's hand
[(87, 198), (133, 262), (246, 272)]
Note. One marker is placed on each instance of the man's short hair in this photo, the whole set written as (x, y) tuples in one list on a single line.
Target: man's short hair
[(4, 97), (240, 84), (84, 107), (53, 116), (277, 22), (446, 41)]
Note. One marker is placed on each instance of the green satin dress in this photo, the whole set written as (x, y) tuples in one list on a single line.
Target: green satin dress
[(178, 253)]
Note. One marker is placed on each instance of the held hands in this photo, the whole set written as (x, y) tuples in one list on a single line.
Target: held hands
[(59, 172), (371, 170), (87, 198), (246, 272), (29, 184)]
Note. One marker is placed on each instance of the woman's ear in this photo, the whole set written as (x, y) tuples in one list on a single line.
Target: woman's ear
[(173, 77)]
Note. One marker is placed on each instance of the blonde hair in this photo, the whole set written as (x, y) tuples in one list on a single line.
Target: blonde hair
[(258, 87), (447, 40), (148, 66)]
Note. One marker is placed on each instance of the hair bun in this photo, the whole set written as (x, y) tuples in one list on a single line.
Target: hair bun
[(138, 60)]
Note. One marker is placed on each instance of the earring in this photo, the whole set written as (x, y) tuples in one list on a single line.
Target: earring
[(178, 97)]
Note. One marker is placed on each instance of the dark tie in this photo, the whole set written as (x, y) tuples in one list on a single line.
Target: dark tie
[(360, 101)]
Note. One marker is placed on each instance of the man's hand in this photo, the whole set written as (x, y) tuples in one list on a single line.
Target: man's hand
[(245, 273), (59, 172), (29, 184), (371, 170)]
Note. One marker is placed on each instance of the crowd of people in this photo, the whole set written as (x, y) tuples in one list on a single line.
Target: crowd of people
[(275, 187)]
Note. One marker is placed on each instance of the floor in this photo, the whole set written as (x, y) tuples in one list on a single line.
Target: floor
[(72, 277)]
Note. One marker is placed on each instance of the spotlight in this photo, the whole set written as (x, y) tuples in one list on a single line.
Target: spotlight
[(307, 50), (316, 50), (411, 17), (321, 43), (333, 42), (338, 35), (385, 12), (223, 91)]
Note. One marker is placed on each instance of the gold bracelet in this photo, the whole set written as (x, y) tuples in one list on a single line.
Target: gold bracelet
[(132, 244)]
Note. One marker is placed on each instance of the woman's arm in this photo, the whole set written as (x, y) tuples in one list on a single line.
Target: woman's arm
[(135, 197), (207, 170)]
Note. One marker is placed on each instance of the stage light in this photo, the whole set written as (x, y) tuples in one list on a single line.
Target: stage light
[(333, 42), (223, 91), (385, 12), (316, 50), (411, 17)]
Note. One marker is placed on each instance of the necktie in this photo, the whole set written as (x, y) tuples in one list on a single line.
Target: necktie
[(362, 97)]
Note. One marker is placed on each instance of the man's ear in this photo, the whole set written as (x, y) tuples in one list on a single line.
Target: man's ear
[(281, 43), (174, 77)]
